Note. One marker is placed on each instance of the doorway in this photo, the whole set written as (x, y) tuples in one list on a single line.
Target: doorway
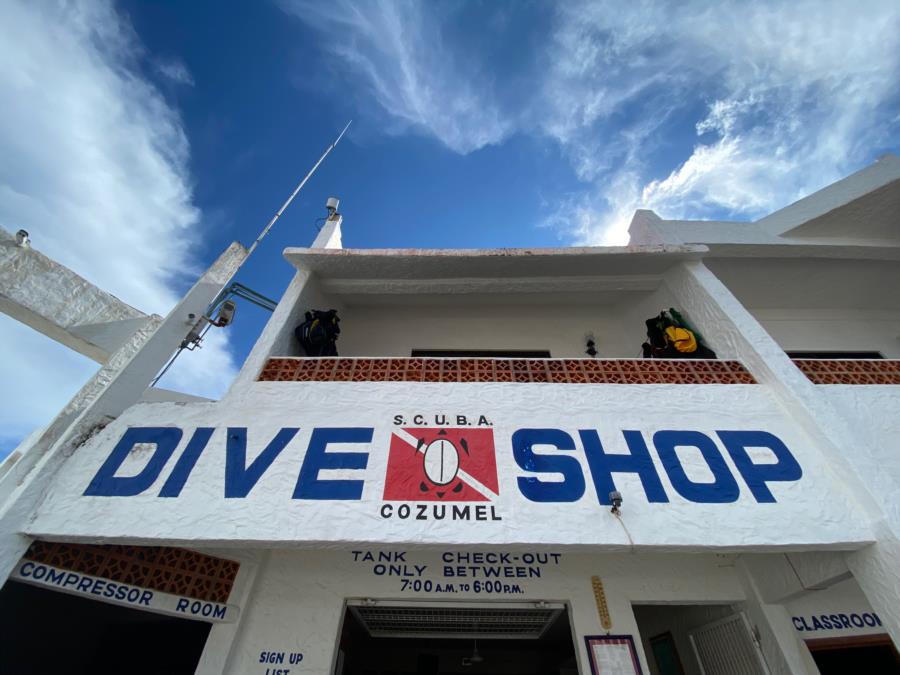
[(870, 654), (45, 631), (393, 638), (701, 639)]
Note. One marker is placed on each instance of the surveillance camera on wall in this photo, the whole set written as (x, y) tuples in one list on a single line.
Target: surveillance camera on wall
[(615, 498), (332, 205), (226, 313)]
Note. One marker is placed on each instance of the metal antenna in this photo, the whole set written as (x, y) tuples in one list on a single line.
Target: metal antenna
[(230, 290), (294, 193)]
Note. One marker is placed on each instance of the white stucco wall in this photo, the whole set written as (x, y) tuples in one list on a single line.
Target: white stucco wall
[(826, 304), (813, 511), (558, 328), (298, 599), (833, 330), (874, 411), (559, 324)]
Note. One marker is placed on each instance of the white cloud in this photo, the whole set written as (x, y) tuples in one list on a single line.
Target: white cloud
[(207, 371), (39, 377), (176, 71), (395, 52), (94, 166), (781, 98), (796, 95)]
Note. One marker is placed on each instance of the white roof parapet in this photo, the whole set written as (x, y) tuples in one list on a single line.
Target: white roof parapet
[(868, 198), (852, 214), (61, 304), (648, 228)]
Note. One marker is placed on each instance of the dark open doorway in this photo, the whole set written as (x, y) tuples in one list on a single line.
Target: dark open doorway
[(456, 640), (869, 654), (44, 631)]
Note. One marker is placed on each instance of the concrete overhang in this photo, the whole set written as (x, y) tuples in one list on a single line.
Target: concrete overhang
[(442, 271), (64, 306), (805, 251), (852, 217), (864, 205)]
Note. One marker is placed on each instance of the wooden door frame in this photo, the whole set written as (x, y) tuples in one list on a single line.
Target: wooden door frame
[(851, 642)]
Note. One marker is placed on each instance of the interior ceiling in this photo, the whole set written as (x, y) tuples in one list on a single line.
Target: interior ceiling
[(791, 283), (591, 299)]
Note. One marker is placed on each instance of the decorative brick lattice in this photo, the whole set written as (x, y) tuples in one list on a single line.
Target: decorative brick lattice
[(160, 568), (570, 371), (850, 371)]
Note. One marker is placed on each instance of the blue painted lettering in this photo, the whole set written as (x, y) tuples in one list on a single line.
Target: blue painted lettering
[(836, 621), (310, 486), (570, 488), (106, 484), (240, 478), (185, 464), (757, 476), (722, 490), (604, 465), (559, 475)]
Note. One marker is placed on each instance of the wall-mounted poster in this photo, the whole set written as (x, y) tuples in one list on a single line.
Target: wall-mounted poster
[(612, 655)]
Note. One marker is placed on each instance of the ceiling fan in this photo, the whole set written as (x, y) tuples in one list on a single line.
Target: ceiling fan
[(475, 658)]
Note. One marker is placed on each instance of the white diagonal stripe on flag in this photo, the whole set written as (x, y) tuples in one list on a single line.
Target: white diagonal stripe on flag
[(466, 478)]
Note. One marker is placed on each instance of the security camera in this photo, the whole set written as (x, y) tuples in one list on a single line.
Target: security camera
[(332, 205), (615, 498), (226, 314), (22, 239)]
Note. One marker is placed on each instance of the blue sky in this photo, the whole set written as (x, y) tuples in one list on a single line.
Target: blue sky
[(140, 138)]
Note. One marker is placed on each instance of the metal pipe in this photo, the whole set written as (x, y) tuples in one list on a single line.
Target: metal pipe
[(294, 193)]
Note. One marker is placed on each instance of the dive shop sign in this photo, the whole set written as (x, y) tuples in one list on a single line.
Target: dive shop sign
[(374, 468), (458, 464)]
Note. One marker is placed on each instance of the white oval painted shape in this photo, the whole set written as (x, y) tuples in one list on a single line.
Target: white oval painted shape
[(441, 461)]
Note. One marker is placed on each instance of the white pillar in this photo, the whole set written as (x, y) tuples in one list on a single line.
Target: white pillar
[(876, 569), (782, 648), (119, 385), (299, 296), (223, 636), (710, 305)]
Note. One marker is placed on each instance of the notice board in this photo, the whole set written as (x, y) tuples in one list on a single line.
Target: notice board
[(612, 655)]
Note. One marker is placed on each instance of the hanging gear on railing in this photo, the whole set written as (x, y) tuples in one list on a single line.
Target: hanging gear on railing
[(670, 337), (318, 334)]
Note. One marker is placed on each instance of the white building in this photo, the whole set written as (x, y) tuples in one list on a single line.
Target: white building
[(437, 498)]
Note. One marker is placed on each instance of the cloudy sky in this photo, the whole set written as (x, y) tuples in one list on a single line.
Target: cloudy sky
[(138, 139)]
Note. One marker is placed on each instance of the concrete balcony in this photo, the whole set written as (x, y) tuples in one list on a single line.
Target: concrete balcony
[(850, 371), (532, 371)]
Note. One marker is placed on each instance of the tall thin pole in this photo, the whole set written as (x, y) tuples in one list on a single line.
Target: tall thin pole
[(294, 193)]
